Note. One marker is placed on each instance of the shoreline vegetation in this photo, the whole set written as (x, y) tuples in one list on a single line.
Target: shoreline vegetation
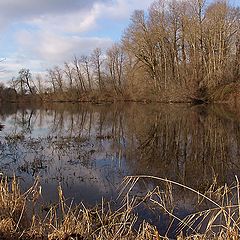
[(228, 94), (22, 219), (176, 51)]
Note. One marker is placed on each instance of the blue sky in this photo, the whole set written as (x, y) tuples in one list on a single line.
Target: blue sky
[(38, 34)]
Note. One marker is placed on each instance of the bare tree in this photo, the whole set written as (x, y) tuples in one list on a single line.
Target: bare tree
[(51, 77), (68, 70), (23, 82), (86, 61), (79, 75), (115, 62), (97, 61)]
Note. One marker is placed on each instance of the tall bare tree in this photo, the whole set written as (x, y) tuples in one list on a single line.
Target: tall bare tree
[(86, 62), (97, 62), (115, 62)]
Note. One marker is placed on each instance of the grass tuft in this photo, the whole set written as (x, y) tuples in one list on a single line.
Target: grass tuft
[(217, 215)]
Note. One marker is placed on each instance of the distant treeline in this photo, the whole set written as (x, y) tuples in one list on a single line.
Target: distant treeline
[(176, 51)]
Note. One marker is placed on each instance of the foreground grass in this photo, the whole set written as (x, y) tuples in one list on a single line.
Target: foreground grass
[(20, 220)]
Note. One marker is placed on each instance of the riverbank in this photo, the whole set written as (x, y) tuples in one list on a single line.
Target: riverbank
[(19, 218), (227, 93)]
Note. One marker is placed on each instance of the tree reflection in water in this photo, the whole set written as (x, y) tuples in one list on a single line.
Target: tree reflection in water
[(90, 148)]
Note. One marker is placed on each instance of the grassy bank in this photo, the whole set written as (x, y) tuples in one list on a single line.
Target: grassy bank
[(20, 220)]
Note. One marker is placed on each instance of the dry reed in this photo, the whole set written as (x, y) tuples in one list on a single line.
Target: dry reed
[(68, 222)]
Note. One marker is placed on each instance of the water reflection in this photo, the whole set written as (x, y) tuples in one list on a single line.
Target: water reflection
[(90, 148)]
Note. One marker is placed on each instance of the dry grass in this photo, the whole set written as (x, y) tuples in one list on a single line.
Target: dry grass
[(220, 220), (13, 206)]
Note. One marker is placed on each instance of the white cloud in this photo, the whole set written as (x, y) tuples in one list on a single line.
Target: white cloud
[(121, 9), (73, 22), (55, 48)]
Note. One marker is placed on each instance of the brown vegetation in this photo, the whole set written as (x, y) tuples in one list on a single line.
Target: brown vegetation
[(19, 220)]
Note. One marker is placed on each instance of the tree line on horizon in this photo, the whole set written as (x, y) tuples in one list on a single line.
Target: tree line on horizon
[(173, 51)]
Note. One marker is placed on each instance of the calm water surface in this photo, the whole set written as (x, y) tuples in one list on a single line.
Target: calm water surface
[(90, 148)]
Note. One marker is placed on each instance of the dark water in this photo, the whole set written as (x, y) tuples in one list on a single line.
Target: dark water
[(90, 148)]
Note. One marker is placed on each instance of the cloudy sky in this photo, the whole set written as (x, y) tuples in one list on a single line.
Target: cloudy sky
[(37, 34)]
